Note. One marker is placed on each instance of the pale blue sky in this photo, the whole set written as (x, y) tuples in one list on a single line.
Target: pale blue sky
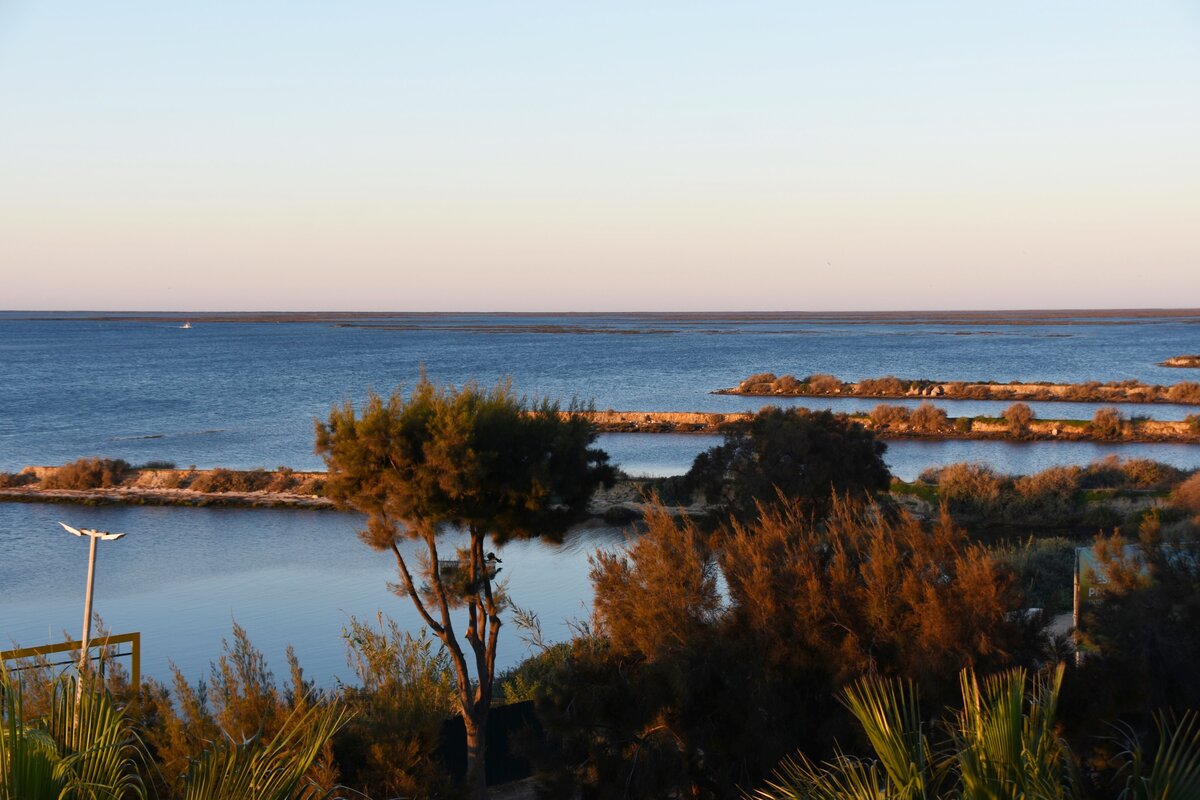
[(560, 155)]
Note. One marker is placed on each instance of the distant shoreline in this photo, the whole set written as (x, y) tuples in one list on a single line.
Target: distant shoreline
[(363, 318)]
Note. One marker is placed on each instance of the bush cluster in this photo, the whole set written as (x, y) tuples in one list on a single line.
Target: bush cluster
[(11, 480), (1052, 496), (88, 473), (928, 418), (1185, 393), (1108, 423), (888, 416), (1018, 416)]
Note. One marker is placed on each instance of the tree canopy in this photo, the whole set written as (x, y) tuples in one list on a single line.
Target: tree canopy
[(483, 459), (803, 455)]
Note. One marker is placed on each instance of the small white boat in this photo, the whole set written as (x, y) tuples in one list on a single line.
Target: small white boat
[(185, 326)]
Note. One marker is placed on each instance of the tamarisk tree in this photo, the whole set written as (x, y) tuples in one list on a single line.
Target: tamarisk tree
[(480, 461)]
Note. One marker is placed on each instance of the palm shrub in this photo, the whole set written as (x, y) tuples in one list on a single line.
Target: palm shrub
[(263, 769), (1002, 747), (1174, 772), (84, 747)]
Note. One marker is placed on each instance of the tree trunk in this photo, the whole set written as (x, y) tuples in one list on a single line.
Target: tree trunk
[(476, 755)]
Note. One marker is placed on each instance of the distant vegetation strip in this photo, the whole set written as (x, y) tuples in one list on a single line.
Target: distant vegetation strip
[(927, 421), (768, 384), (1186, 362), (102, 481)]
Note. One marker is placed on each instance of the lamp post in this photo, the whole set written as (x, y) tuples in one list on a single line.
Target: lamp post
[(95, 537)]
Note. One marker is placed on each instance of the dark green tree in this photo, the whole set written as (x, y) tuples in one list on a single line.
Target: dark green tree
[(799, 454), (482, 461)]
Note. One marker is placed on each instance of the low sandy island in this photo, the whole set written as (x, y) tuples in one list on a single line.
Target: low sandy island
[(215, 488), (768, 384), (1185, 362)]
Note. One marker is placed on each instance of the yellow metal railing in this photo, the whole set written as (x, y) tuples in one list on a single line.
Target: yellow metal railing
[(134, 640)]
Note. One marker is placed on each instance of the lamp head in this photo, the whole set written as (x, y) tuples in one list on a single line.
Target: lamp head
[(103, 535)]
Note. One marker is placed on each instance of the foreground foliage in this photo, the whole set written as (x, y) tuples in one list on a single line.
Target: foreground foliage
[(1002, 744)]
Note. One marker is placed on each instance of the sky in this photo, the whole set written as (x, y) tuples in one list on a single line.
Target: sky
[(583, 156)]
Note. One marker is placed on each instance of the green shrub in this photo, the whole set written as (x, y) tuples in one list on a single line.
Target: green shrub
[(88, 473), (963, 424), (406, 691), (156, 465), (1045, 571), (1193, 422)]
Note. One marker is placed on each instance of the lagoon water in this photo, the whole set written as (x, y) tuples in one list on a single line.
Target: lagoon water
[(241, 394)]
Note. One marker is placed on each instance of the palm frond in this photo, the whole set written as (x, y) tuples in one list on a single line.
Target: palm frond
[(889, 713), (1175, 772), (267, 770), (1005, 742), (84, 747)]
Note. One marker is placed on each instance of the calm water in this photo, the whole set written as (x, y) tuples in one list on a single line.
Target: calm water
[(245, 395)]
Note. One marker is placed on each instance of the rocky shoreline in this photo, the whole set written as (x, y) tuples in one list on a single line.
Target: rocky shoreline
[(767, 384)]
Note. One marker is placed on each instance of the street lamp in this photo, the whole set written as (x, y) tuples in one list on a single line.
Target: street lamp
[(95, 536)]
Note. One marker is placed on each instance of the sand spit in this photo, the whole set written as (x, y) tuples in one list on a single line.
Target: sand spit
[(1184, 362)]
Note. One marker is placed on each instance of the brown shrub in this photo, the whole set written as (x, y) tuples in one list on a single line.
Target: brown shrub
[(311, 486), (963, 424), (1055, 480), (885, 416), (1142, 473), (88, 473), (823, 384), (788, 384), (758, 383), (928, 417), (856, 593), (1018, 416), (970, 486), (1108, 423), (1187, 495), (1193, 422), (11, 480), (225, 480), (888, 385), (1083, 391), (1185, 392), (976, 392)]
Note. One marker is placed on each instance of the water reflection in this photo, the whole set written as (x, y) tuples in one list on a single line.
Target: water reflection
[(183, 575)]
